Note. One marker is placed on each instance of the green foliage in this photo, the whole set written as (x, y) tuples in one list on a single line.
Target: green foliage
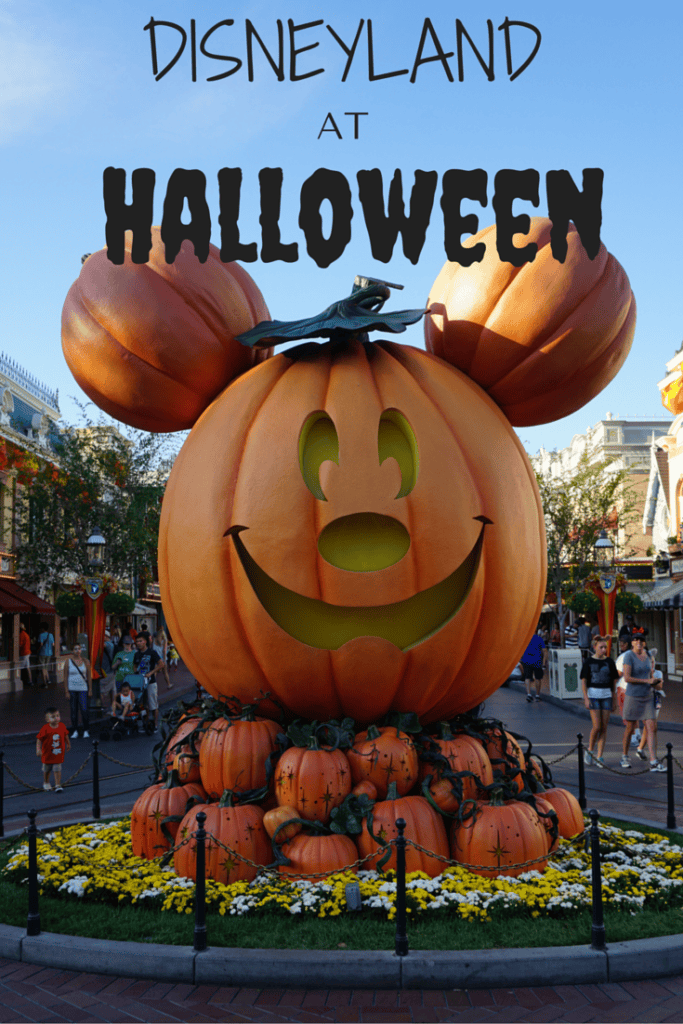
[(70, 604), (577, 506), (98, 477), (584, 603), (118, 604), (629, 604)]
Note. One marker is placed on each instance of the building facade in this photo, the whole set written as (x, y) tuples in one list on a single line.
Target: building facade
[(29, 413)]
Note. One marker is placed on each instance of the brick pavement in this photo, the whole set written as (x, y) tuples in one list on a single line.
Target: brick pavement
[(34, 993)]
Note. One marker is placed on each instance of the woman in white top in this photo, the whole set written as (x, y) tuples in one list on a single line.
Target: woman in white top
[(78, 687)]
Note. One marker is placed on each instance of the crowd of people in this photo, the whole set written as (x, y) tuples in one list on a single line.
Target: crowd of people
[(631, 685), (131, 663)]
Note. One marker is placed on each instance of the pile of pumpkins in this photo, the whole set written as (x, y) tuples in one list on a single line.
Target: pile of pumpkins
[(319, 798)]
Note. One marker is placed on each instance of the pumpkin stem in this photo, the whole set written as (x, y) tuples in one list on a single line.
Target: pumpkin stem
[(372, 732)]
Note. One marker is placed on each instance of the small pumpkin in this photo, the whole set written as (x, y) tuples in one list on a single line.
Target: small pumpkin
[(500, 834), (312, 780), (464, 754), (151, 833), (506, 755), (424, 825), (237, 826), (541, 339), (319, 855), (285, 819), (365, 788), (384, 756), (235, 751), (154, 343), (182, 752), (569, 813)]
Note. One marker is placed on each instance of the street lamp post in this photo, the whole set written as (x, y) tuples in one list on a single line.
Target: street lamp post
[(95, 590), (603, 584)]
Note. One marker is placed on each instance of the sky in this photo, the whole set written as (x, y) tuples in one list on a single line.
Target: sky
[(78, 94)]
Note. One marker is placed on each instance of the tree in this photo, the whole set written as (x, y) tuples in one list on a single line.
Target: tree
[(96, 478), (577, 506)]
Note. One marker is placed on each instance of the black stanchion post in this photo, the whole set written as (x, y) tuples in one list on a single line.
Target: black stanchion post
[(401, 936), (670, 809), (582, 775), (200, 886), (2, 792), (95, 780), (33, 919), (598, 925)]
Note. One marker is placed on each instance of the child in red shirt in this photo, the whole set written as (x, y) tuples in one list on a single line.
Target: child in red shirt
[(51, 743)]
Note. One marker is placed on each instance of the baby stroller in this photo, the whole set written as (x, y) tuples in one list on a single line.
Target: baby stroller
[(138, 719)]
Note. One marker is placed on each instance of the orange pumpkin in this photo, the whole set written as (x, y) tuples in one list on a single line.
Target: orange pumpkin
[(154, 343), (365, 788), (384, 756), (424, 825), (184, 756), (234, 754), (542, 339), (332, 499), (464, 754), (313, 781), (317, 855), (150, 833), (240, 828), (280, 816), (501, 834), (506, 756), (569, 813)]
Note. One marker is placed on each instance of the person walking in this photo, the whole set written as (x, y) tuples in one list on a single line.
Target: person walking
[(78, 687), (639, 702), (585, 638), (160, 645), (45, 652), (571, 637), (25, 656), (108, 679), (147, 663), (598, 676), (533, 662)]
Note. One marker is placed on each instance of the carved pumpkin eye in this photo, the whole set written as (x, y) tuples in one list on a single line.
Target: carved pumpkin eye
[(318, 443), (396, 440)]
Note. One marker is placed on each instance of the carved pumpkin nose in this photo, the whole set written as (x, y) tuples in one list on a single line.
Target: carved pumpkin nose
[(363, 542)]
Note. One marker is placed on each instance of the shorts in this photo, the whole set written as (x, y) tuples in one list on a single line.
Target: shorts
[(600, 703), (47, 767), (152, 692), (532, 671), (25, 661), (44, 659)]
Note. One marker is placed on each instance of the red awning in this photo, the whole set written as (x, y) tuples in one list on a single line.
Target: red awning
[(11, 605), (9, 590)]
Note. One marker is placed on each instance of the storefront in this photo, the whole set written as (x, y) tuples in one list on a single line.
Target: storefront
[(663, 618), (17, 606)]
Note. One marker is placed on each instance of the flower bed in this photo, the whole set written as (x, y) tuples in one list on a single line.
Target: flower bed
[(95, 863)]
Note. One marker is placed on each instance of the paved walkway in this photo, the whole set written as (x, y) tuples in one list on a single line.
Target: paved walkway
[(30, 993), (22, 713)]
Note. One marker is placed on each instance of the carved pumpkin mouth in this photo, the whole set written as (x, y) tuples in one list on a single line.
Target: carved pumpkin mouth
[(328, 626)]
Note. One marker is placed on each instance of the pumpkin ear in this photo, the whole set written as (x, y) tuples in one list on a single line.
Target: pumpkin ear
[(154, 343), (542, 339)]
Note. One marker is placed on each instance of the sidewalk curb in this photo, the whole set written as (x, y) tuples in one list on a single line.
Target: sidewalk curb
[(637, 960)]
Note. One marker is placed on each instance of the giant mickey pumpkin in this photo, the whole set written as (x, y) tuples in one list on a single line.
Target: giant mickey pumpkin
[(348, 524)]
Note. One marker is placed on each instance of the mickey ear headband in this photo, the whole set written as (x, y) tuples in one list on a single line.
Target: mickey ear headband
[(153, 344)]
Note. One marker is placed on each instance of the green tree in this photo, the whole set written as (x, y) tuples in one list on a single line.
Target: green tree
[(97, 476), (577, 506)]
